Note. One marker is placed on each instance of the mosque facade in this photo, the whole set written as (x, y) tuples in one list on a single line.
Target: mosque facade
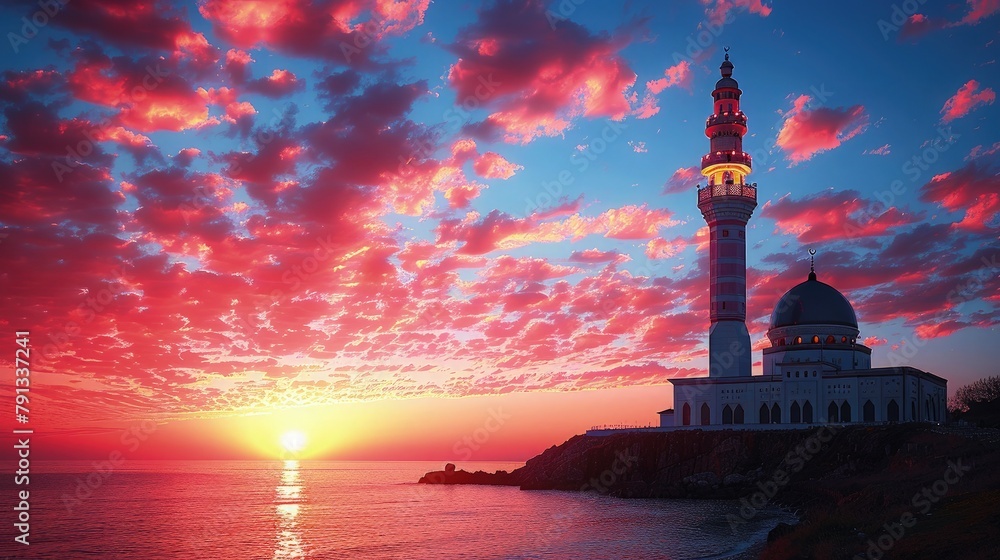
[(815, 370)]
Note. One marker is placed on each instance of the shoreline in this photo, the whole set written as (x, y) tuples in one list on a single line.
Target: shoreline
[(842, 493)]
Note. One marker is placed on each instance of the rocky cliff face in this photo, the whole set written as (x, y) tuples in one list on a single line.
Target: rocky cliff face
[(850, 484)]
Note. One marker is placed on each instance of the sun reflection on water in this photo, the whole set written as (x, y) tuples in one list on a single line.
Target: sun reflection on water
[(288, 542)]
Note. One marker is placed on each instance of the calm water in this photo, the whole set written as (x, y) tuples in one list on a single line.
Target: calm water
[(278, 510)]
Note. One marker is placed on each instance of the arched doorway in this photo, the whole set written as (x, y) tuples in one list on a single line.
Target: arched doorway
[(833, 413), (738, 414), (892, 411), (765, 415), (686, 414), (807, 413), (706, 414), (727, 415), (868, 411), (776, 414), (845, 412), (795, 414)]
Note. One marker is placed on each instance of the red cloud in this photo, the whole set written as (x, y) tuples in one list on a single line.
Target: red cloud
[(676, 75), (149, 93), (278, 84), (965, 100), (154, 24), (337, 30), (973, 190), (979, 10), (806, 132), (682, 180), (492, 165), (502, 231), (718, 10), (833, 215), (569, 73)]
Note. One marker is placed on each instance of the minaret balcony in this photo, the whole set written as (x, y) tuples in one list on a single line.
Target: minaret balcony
[(712, 191), (726, 157), (728, 117)]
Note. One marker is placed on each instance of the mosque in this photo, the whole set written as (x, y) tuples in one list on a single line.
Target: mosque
[(815, 370)]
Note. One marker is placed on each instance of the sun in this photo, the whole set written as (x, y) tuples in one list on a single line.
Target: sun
[(293, 441)]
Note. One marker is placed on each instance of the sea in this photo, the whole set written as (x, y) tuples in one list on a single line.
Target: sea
[(271, 510)]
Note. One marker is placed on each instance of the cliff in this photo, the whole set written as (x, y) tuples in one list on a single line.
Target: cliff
[(850, 484)]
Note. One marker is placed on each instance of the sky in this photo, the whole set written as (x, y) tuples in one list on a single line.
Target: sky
[(465, 230)]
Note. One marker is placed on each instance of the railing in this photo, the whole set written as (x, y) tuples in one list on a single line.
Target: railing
[(736, 117), (727, 157), (710, 191)]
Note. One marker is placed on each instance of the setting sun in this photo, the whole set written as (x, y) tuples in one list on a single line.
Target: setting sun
[(293, 441)]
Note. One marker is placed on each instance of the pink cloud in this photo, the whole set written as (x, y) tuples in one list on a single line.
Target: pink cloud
[(719, 11), (492, 165), (965, 100), (570, 74), (682, 180), (806, 132)]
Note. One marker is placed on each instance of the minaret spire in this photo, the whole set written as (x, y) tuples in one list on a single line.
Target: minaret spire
[(812, 264), (727, 203)]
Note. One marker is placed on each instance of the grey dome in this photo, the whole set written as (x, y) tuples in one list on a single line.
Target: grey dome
[(813, 303), (727, 83)]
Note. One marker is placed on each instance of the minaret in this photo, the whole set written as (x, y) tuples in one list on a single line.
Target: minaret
[(727, 204)]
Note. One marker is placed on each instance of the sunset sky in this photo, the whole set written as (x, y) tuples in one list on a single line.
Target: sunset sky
[(401, 227)]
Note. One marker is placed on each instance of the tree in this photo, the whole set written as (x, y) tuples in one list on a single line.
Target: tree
[(985, 390)]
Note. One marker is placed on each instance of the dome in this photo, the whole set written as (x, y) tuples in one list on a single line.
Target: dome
[(727, 83), (813, 303)]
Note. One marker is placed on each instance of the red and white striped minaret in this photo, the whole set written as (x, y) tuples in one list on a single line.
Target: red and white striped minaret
[(727, 204)]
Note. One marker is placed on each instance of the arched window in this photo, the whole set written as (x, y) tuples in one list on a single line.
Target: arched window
[(830, 339), (795, 415), (776, 414), (686, 414), (781, 342), (798, 340), (843, 339), (892, 411), (765, 415), (706, 414), (815, 339), (727, 415), (738, 414), (807, 413), (845, 412), (833, 413), (868, 411)]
